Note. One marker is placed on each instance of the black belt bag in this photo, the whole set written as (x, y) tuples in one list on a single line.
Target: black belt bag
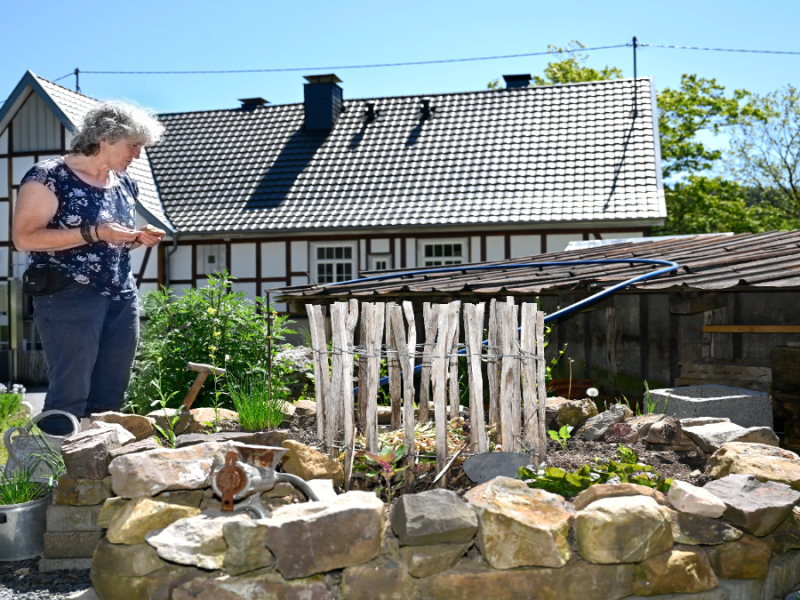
[(43, 280)]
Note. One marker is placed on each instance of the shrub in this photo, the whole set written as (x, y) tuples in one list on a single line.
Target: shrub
[(206, 325)]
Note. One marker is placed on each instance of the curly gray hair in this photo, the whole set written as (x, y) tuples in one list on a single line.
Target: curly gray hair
[(114, 121)]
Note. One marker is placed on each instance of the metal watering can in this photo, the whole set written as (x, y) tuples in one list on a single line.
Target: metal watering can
[(25, 448), (249, 477)]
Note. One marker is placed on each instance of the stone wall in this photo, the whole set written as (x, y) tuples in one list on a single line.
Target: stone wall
[(735, 538)]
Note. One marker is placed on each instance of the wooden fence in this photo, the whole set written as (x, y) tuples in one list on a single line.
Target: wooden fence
[(513, 360)]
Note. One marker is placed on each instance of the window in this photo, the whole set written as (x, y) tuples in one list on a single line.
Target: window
[(334, 263), (443, 253), (379, 262)]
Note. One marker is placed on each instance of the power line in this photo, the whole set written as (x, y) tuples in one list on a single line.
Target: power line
[(340, 67), (719, 49)]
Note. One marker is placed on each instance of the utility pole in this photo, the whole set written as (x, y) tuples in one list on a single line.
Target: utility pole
[(77, 80), (634, 57)]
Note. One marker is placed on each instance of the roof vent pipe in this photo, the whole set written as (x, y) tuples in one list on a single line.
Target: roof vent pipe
[(517, 81), (322, 102), (253, 102)]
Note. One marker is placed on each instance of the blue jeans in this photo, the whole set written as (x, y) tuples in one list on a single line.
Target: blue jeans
[(89, 344)]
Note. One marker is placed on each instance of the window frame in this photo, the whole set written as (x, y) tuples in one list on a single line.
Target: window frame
[(315, 262), (372, 259), (422, 242)]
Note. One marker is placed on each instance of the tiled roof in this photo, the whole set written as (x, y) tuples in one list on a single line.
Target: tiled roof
[(564, 154), (74, 106)]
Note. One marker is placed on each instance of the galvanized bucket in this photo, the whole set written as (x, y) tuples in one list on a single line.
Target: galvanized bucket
[(22, 528), (24, 447)]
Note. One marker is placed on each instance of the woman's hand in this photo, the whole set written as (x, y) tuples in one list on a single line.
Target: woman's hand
[(116, 234), (151, 236)]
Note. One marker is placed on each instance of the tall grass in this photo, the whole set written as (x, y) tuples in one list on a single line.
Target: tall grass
[(20, 487), (260, 406)]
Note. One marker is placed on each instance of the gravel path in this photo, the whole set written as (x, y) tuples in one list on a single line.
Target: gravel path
[(22, 581)]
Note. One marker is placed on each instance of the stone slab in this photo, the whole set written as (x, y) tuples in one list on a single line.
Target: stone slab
[(258, 438), (74, 491), (484, 467), (71, 544), (744, 589), (73, 518), (48, 565), (743, 407)]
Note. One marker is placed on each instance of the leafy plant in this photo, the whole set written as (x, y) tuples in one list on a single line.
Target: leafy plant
[(51, 457), (651, 404), (559, 481), (208, 324), (387, 461), (627, 455), (20, 487), (259, 404), (168, 433), (562, 435), (635, 409), (10, 405)]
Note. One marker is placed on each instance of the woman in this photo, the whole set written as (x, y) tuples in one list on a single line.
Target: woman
[(76, 216)]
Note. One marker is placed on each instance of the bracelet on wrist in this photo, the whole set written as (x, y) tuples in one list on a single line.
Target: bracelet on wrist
[(86, 234), (96, 232)]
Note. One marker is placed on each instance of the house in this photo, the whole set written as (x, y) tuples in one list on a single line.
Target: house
[(319, 191)]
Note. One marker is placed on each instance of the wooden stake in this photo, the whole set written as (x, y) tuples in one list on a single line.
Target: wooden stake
[(505, 314), (347, 391), (516, 403), (431, 316), (492, 365), (473, 332), (335, 408), (316, 319), (529, 391), (393, 366), (438, 380), (452, 376), (405, 351), (374, 337), (541, 389), (362, 368)]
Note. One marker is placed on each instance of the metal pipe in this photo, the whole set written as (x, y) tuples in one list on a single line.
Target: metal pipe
[(299, 484), (170, 252)]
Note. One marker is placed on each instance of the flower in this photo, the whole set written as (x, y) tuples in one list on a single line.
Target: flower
[(211, 311), (212, 348), (217, 334)]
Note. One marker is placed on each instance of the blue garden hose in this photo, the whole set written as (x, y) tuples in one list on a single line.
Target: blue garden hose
[(668, 266)]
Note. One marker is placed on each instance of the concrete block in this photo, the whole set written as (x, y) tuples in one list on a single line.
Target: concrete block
[(71, 544), (743, 407), (46, 565), (783, 570), (73, 518)]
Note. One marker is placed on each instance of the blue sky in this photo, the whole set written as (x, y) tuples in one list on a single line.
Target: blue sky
[(52, 38)]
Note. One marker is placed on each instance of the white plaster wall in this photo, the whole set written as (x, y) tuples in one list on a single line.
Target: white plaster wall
[(525, 245), (299, 256), (249, 289), (4, 233), (181, 263), (151, 269), (206, 253), (3, 262), (137, 255), (380, 245), (3, 178), (620, 235), (243, 260), (475, 248), (299, 280), (19, 166), (148, 287), (495, 247), (362, 253), (273, 259), (411, 253), (4, 142), (180, 290), (557, 242), (398, 245)]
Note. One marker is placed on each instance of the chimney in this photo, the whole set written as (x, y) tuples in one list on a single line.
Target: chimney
[(251, 103), (517, 81), (323, 104)]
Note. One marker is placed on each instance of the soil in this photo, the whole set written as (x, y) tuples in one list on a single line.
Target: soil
[(21, 580)]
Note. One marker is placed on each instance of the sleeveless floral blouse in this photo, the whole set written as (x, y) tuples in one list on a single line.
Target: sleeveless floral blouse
[(102, 266)]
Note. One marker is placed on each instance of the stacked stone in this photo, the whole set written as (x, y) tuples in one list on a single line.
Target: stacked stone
[(73, 531)]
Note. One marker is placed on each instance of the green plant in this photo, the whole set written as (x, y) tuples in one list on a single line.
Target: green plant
[(20, 487), (635, 409), (651, 404), (168, 432), (51, 457), (562, 435), (565, 483), (207, 322), (10, 405), (260, 406), (626, 455), (387, 461)]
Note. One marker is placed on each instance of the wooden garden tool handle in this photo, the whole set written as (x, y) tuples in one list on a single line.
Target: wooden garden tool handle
[(203, 371)]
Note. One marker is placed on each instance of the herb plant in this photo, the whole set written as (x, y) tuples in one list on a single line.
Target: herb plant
[(627, 455), (259, 403), (650, 404), (387, 462), (562, 435), (167, 433), (20, 486)]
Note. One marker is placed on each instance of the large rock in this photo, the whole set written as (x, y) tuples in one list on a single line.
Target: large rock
[(247, 546), (433, 517), (308, 463), (137, 518), (679, 570), (746, 558), (615, 490), (697, 531), (643, 423), (469, 580), (75, 491), (520, 526), (787, 536), (134, 447), (595, 428), (157, 585), (575, 413), (125, 561), (314, 537), (691, 499), (195, 541), (665, 431), (424, 561), (381, 579), (182, 497), (758, 508), (264, 584), (713, 435), (86, 454), (163, 419), (305, 408), (480, 468), (300, 359), (206, 419), (139, 426), (552, 406), (148, 473), (765, 463), (255, 438), (621, 433), (110, 508), (622, 530)]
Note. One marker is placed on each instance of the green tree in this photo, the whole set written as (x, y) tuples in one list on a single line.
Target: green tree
[(765, 152)]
